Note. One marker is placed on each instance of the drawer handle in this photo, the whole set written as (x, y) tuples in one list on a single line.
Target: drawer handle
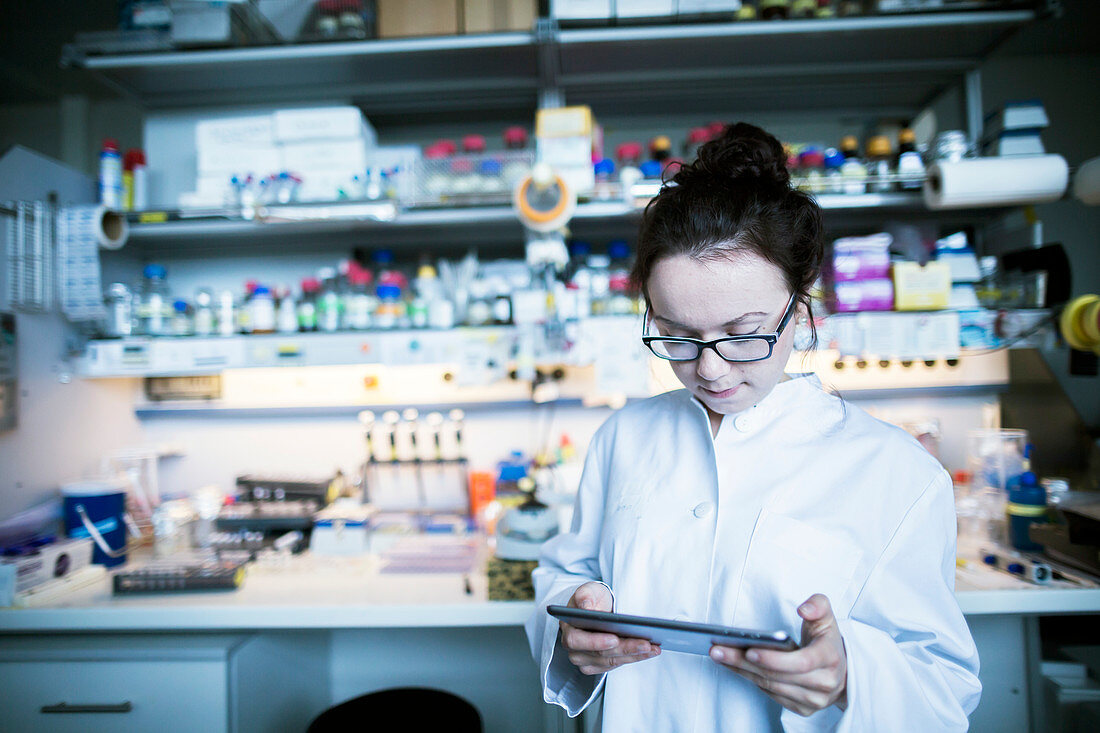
[(62, 707)]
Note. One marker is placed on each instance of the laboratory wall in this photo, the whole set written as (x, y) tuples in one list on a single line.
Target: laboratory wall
[(1066, 85), (93, 417), (72, 129), (65, 424)]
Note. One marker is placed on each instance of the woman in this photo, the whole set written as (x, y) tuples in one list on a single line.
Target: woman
[(753, 499)]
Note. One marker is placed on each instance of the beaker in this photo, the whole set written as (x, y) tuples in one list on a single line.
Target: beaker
[(993, 458)]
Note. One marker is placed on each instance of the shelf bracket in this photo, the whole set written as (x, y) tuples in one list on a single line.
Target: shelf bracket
[(549, 64)]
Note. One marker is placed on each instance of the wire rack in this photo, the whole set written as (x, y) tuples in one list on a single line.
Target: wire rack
[(30, 252), (51, 260), (469, 179)]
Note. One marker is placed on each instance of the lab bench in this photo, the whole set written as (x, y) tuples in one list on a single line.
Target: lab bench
[(299, 637)]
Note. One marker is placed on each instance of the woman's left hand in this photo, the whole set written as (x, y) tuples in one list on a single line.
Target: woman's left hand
[(806, 680)]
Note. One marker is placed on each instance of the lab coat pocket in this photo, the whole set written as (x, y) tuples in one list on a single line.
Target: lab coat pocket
[(789, 560)]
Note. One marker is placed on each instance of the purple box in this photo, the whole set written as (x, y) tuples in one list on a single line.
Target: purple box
[(867, 265), (862, 258), (864, 295)]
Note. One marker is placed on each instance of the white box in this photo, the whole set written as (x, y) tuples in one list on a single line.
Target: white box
[(323, 123), (216, 187), (50, 561), (693, 7), (564, 139), (326, 155), (571, 158), (962, 263), (644, 8), (325, 185), (252, 130), (1018, 116), (581, 9), (1009, 144), (240, 160)]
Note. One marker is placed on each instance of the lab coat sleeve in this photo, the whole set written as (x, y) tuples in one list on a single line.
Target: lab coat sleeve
[(912, 663), (567, 562)]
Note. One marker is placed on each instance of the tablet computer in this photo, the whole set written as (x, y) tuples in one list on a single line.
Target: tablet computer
[(676, 636)]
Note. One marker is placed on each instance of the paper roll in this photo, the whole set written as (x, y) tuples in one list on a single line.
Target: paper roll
[(107, 228), (1003, 181), (1086, 182)]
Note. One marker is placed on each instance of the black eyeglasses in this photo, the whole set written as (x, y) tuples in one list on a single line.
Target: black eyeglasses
[(751, 347)]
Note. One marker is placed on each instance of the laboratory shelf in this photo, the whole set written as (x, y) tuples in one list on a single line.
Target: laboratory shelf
[(183, 356), (385, 222), (218, 411), (883, 63), (215, 409), (169, 356), (429, 74), (878, 64)]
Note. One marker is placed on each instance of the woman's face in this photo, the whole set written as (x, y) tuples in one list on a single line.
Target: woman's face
[(731, 296)]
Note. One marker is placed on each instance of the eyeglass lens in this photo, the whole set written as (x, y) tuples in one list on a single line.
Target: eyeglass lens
[(744, 350)]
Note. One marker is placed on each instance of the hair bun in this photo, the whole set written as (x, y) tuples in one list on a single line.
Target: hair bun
[(743, 154)]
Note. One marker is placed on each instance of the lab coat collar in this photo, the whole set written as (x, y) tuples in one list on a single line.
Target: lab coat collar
[(782, 397)]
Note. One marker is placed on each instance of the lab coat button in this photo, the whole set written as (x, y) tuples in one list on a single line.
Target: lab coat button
[(703, 509), (742, 423)]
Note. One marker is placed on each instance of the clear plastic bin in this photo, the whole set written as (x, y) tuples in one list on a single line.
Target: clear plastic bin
[(469, 179), (993, 458)]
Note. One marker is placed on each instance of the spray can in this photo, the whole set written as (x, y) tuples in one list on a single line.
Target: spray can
[(135, 181), (110, 175)]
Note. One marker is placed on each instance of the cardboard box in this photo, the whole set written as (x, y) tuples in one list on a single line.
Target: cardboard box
[(918, 288), (51, 561), (489, 16), (581, 9), (236, 145), (565, 137), (320, 185), (324, 155), (703, 7), (252, 130), (239, 160), (403, 18), (645, 8), (323, 123)]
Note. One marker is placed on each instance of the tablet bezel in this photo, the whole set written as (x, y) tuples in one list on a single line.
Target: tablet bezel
[(679, 636)]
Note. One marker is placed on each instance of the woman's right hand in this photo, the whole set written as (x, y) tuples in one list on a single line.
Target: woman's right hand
[(596, 652)]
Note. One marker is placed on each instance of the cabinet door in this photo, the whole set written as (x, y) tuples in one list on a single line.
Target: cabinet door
[(163, 696)]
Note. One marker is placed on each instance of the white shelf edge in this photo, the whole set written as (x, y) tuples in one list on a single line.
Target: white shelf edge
[(688, 31), (303, 52), (480, 215)]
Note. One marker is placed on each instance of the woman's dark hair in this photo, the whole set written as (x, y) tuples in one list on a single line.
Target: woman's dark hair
[(735, 197)]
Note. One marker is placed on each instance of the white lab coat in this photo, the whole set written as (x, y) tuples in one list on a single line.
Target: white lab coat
[(801, 494)]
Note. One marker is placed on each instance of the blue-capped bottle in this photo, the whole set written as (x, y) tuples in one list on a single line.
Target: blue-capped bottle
[(390, 309), (1027, 505), (181, 319), (604, 170), (834, 180), (154, 311), (651, 170), (619, 302), (491, 178)]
